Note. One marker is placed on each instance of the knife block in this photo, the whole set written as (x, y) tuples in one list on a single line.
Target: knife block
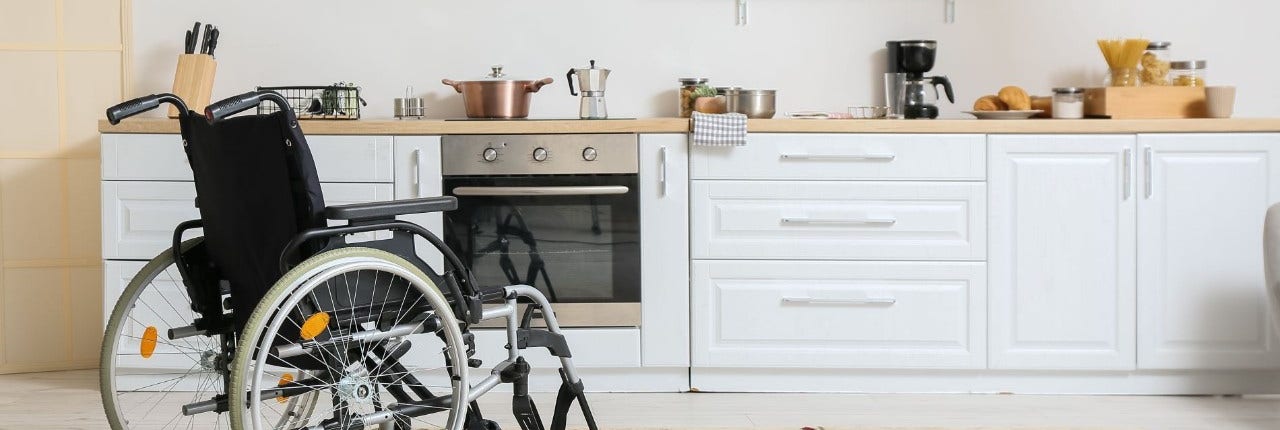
[(193, 81)]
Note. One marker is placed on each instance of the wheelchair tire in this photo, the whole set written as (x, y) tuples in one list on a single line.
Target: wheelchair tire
[(360, 389)]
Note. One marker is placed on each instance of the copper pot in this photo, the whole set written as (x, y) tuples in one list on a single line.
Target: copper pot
[(495, 97)]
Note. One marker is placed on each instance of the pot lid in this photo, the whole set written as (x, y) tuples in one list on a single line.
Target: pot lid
[(496, 74)]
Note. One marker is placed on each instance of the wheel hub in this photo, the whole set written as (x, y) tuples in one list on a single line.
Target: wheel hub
[(355, 389), (209, 361)]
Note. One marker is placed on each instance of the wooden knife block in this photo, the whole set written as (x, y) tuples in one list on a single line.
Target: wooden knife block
[(1165, 102), (193, 81)]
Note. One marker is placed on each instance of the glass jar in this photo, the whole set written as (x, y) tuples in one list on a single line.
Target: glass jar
[(1155, 64), (1187, 73), (1068, 103), (687, 85), (1123, 77)]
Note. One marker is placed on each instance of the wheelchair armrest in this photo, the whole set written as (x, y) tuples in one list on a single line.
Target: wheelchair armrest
[(390, 209)]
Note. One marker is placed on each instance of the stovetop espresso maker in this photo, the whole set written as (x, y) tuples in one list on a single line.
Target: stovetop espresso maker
[(591, 84)]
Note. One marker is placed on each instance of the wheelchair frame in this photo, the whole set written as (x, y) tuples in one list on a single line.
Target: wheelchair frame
[(467, 303)]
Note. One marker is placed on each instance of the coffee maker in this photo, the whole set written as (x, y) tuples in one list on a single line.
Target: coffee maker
[(591, 84), (915, 58)]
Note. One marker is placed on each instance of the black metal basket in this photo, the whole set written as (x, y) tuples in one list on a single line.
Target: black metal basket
[(338, 101)]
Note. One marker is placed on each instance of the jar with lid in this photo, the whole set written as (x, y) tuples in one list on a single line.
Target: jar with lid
[(687, 85), (1155, 64), (1188, 73), (1068, 103)]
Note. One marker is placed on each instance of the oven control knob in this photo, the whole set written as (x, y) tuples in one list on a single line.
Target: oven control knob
[(540, 154), (589, 154), (489, 154)]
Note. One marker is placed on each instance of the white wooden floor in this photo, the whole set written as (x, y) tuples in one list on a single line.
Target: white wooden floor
[(70, 400)]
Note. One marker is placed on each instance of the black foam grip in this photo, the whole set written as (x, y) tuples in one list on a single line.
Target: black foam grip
[(132, 107), (224, 108)]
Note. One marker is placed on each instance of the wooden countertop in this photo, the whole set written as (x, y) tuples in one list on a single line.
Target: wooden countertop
[(680, 125)]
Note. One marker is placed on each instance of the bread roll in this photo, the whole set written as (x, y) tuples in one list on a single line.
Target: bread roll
[(1016, 98), (1043, 104), (989, 103)]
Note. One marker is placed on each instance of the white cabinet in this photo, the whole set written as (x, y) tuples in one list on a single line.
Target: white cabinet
[(839, 314), (664, 249), (828, 157), (417, 174), (1062, 252), (1202, 302), (159, 157)]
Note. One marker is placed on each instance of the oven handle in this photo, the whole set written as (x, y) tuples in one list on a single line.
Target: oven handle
[(542, 191)]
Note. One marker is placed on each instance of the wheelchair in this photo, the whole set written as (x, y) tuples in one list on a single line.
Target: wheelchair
[(269, 318)]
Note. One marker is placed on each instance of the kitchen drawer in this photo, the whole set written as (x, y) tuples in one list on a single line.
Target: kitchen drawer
[(839, 314), (846, 156), (838, 220), (138, 217), (159, 157)]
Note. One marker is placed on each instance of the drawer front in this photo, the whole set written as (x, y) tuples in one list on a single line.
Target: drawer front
[(138, 218), (845, 156), (159, 157), (838, 220), (839, 314)]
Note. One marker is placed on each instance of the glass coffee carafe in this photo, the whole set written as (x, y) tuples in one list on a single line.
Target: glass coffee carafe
[(922, 96)]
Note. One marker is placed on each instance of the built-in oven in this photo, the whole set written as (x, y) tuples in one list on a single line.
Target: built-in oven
[(560, 213)]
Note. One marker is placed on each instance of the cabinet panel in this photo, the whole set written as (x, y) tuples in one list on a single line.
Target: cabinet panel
[(1201, 294), (138, 218), (839, 314), (417, 174), (159, 157), (845, 157), (839, 220), (664, 249), (1062, 260)]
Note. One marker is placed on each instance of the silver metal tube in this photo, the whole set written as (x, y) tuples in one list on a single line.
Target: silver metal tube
[(184, 332), (505, 310), (513, 351), (199, 407), (549, 316), (296, 349)]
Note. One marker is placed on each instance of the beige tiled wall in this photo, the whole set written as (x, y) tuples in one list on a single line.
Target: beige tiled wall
[(63, 63)]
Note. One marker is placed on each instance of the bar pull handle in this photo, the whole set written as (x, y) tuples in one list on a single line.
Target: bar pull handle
[(599, 190), (1127, 171), (840, 157), (662, 177), (417, 172), (871, 221), (868, 301), (1146, 163)]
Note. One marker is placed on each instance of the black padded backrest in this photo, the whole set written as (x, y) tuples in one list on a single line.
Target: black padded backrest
[(257, 188)]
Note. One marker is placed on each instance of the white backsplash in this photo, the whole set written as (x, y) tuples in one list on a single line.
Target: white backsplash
[(819, 54)]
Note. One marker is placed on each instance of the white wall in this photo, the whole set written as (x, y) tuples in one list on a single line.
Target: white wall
[(819, 54)]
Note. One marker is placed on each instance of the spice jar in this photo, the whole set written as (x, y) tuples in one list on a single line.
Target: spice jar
[(1068, 103), (1187, 73), (1155, 64), (687, 85)]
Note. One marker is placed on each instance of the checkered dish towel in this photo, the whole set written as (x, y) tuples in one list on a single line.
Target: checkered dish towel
[(726, 129)]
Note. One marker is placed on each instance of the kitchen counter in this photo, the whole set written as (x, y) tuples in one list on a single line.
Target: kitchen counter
[(680, 125)]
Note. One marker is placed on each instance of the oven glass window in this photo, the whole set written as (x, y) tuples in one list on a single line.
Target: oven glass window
[(580, 248)]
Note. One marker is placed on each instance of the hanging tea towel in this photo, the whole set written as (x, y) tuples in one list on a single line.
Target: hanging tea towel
[(726, 129)]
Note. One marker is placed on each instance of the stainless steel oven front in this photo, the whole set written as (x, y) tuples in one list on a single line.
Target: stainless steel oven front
[(560, 213)]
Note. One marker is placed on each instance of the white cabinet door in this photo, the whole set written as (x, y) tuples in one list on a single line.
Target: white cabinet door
[(839, 314), (664, 249), (1201, 294), (831, 157), (159, 157), (417, 174), (1062, 252)]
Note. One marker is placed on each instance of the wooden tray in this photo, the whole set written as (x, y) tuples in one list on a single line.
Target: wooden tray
[(193, 81), (1145, 102)]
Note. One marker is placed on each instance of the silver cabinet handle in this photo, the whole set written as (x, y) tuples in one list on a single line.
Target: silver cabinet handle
[(840, 157), (662, 177), (542, 191), (806, 220), (1146, 163), (1127, 171), (862, 301), (417, 173)]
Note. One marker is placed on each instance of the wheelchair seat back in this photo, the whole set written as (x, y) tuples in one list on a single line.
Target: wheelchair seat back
[(257, 188)]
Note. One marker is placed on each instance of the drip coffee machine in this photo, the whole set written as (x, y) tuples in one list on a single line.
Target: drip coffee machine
[(915, 58)]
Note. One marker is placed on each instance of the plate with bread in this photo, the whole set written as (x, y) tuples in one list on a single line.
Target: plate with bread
[(1010, 103)]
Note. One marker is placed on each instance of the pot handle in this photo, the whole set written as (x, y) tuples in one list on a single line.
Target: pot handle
[(569, 77), (457, 86), (534, 86)]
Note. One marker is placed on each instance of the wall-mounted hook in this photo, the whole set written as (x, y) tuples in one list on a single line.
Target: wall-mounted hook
[(950, 11)]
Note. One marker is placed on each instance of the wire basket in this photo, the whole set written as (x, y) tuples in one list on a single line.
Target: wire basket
[(338, 101)]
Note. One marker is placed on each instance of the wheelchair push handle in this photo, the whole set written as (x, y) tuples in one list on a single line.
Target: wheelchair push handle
[(224, 108), (142, 104)]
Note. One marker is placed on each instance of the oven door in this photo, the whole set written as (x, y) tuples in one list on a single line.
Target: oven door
[(576, 238)]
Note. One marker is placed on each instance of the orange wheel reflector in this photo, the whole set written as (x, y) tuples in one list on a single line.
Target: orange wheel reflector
[(284, 379), (149, 339), (315, 325)]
